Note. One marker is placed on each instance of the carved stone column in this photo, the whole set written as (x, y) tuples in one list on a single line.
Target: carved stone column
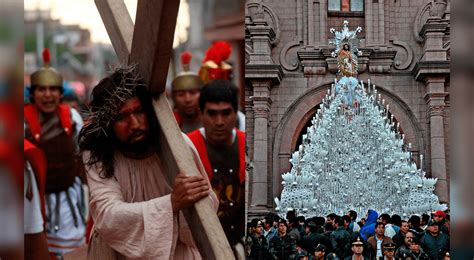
[(435, 100), (261, 74), (261, 111), (260, 185), (433, 33), (433, 70), (261, 35)]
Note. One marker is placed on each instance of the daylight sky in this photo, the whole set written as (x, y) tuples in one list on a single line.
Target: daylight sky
[(85, 14)]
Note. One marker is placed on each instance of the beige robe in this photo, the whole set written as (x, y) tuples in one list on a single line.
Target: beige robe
[(132, 213)]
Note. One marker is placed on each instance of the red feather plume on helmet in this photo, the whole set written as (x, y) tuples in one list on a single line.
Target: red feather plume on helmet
[(186, 57), (218, 52), (186, 60), (214, 66), (46, 56)]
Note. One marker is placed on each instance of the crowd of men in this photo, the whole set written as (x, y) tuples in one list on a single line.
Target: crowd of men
[(343, 237), (101, 180)]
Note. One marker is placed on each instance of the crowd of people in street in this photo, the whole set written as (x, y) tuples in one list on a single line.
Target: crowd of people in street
[(345, 237)]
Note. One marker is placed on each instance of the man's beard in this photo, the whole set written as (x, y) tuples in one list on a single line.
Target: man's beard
[(136, 149)]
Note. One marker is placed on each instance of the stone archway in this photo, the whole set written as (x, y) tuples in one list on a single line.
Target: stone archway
[(304, 107)]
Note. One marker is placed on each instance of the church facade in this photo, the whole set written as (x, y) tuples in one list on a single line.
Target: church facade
[(289, 68)]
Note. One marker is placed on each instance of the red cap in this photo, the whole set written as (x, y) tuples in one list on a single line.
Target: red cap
[(440, 213)]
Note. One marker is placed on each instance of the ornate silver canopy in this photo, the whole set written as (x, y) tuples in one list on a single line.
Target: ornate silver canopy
[(354, 155)]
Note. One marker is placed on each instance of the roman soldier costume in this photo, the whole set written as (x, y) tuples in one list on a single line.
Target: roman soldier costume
[(186, 80), (55, 136), (225, 167)]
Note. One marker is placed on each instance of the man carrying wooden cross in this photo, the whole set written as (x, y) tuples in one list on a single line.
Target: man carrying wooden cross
[(135, 206), (148, 44)]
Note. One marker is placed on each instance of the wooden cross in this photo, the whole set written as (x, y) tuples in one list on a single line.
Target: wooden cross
[(149, 45)]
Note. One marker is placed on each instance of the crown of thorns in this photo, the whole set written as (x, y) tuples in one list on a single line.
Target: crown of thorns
[(100, 118)]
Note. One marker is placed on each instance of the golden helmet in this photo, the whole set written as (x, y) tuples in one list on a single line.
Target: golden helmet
[(186, 80), (46, 76)]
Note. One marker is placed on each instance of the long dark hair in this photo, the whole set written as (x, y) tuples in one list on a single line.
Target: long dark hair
[(103, 143)]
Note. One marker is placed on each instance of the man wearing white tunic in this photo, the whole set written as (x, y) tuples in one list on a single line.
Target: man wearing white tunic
[(134, 205)]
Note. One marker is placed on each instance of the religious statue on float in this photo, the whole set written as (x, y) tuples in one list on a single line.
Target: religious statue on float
[(346, 52), (346, 63)]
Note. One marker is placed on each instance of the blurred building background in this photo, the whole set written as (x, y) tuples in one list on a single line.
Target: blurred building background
[(80, 60), (83, 58), (212, 20)]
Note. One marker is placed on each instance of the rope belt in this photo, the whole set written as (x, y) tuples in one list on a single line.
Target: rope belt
[(71, 207), (53, 218), (57, 217)]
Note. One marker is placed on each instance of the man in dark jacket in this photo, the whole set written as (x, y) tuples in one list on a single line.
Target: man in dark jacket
[(353, 226), (340, 238), (434, 243), (318, 252), (314, 238), (414, 222), (416, 252), (439, 217), (257, 244), (293, 228), (400, 236), (404, 249), (282, 246)]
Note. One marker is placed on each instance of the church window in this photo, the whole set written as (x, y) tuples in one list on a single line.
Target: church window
[(346, 6), (334, 5), (357, 5)]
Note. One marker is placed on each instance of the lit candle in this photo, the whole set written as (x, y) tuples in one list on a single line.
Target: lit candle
[(421, 162)]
